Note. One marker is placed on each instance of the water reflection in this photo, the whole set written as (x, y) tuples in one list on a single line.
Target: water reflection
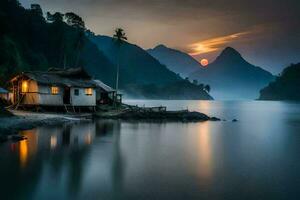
[(108, 159), (23, 146), (29, 147), (205, 151)]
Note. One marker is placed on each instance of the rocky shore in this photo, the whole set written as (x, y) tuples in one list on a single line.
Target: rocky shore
[(178, 116), (20, 120), (14, 121)]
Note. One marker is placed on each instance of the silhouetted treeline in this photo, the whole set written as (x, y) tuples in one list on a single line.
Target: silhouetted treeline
[(285, 87), (30, 41)]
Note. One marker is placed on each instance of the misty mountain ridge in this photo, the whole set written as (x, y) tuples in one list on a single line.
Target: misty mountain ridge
[(143, 76), (232, 77), (175, 60)]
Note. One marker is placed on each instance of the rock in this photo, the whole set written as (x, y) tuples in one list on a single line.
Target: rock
[(215, 119), (182, 116)]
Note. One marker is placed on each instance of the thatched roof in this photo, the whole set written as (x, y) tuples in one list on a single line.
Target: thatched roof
[(105, 87), (73, 77)]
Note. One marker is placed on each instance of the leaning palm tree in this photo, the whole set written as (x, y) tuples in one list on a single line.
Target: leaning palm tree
[(119, 37)]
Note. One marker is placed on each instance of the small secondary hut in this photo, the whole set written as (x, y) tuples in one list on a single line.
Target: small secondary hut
[(59, 88), (4, 94)]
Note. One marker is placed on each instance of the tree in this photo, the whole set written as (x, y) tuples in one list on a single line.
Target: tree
[(207, 88), (76, 22), (201, 85), (36, 8), (56, 17), (119, 37)]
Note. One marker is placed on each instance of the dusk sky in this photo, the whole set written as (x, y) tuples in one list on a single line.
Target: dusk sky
[(266, 32)]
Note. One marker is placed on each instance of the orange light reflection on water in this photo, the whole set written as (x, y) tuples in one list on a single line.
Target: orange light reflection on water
[(88, 138), (23, 152), (28, 147), (205, 150), (53, 141)]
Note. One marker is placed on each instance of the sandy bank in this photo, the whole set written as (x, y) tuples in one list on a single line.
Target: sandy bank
[(28, 120)]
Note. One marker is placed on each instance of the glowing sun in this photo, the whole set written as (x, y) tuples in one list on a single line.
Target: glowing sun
[(204, 62)]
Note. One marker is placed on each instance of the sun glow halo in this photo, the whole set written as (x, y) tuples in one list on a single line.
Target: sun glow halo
[(204, 62)]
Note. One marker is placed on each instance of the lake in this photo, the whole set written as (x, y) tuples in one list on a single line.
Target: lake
[(257, 157)]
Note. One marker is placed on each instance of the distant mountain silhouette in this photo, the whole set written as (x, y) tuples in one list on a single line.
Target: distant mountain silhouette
[(177, 61), (285, 87), (141, 71), (232, 77)]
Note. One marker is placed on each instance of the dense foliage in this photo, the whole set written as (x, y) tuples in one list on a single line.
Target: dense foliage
[(29, 41), (285, 87)]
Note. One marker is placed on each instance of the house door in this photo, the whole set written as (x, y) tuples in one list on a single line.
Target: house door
[(67, 95)]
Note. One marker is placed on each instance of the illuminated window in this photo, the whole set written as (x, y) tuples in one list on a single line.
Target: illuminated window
[(76, 92), (24, 86), (54, 90), (89, 91)]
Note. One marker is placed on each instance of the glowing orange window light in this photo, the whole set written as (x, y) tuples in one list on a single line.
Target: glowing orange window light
[(54, 90), (24, 86), (89, 91)]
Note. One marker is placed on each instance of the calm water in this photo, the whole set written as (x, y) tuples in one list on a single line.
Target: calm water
[(255, 158)]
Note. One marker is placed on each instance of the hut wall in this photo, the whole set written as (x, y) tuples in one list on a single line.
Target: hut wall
[(82, 99), (32, 97), (47, 98)]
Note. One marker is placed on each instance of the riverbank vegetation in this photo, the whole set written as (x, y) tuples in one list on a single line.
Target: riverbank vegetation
[(285, 87)]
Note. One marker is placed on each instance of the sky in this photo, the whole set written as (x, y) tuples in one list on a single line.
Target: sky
[(265, 32)]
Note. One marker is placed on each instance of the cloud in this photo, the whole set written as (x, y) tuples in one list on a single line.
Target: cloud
[(215, 44)]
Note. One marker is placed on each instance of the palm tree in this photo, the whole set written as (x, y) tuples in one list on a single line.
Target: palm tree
[(119, 37)]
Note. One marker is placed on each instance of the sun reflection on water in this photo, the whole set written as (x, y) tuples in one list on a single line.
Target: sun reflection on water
[(205, 150)]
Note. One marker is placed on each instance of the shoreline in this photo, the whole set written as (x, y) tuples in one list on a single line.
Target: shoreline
[(22, 120), (166, 116)]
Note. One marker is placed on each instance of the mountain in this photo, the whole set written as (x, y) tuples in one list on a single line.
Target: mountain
[(232, 77), (141, 75), (285, 86), (177, 61), (136, 65)]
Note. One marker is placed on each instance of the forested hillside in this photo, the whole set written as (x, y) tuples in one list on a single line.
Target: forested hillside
[(30, 41), (285, 87)]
